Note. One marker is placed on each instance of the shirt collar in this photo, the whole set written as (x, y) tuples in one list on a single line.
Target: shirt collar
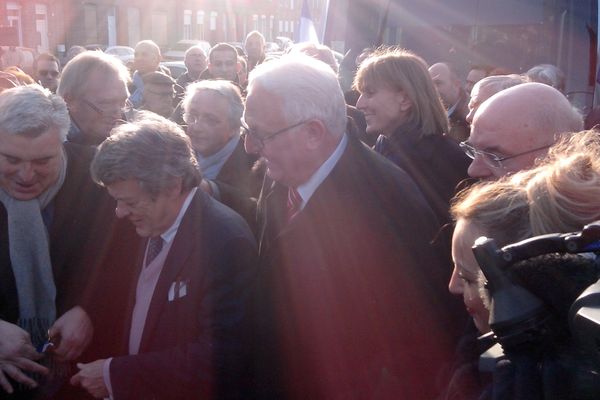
[(170, 233), (308, 188)]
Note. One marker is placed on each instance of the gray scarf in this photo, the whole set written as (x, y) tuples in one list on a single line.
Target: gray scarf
[(30, 259)]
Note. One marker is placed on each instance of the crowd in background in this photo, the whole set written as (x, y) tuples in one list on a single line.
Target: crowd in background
[(260, 227)]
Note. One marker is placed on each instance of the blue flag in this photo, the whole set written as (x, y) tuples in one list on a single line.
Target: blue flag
[(306, 29)]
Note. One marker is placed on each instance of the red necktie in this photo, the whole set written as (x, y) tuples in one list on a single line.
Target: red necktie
[(294, 202)]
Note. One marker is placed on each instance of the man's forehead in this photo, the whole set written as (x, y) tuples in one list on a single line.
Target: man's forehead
[(195, 52), (31, 147), (223, 55), (47, 64)]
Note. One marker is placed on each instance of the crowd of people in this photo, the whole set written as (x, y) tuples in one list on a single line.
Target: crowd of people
[(250, 230)]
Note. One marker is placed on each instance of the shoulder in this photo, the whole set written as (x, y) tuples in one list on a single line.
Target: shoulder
[(217, 221)]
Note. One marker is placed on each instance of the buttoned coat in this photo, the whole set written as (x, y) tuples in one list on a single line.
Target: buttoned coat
[(192, 342), (345, 308)]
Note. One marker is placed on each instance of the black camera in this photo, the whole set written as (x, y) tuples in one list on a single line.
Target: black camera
[(544, 301)]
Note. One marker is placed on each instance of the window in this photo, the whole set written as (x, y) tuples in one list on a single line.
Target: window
[(213, 21), (187, 24), (200, 24)]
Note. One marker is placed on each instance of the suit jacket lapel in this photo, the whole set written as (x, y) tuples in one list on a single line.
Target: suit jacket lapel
[(179, 254)]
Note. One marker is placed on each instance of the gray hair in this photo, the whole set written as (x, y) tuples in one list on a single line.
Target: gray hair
[(548, 74), (308, 88), (227, 90), (151, 150), (253, 34), (31, 111), (496, 83), (76, 74), (151, 44), (195, 47)]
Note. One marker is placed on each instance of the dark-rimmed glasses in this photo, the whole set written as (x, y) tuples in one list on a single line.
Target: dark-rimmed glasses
[(108, 112), (491, 159), (260, 141)]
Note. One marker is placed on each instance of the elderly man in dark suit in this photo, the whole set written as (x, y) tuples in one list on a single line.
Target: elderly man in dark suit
[(344, 306), (187, 305), (212, 112)]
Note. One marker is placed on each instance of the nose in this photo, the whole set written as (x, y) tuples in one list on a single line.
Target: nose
[(360, 103), (121, 210), (455, 286), (26, 172), (479, 169)]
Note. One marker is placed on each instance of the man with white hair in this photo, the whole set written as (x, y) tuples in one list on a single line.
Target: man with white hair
[(344, 250), (515, 127), (94, 86), (53, 222)]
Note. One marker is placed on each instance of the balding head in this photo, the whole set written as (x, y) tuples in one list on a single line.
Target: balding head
[(518, 125), (446, 82), (146, 57)]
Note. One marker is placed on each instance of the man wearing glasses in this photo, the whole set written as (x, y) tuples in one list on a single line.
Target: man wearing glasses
[(212, 114), (515, 127), (344, 250), (47, 71), (222, 63), (94, 86)]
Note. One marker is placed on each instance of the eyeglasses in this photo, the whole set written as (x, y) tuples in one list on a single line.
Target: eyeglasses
[(260, 141), (491, 159), (220, 64), (50, 73), (192, 119), (109, 110)]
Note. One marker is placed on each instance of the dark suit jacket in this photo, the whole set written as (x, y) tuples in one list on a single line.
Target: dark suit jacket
[(344, 306), (191, 347)]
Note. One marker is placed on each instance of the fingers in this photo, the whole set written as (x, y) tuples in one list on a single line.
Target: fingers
[(76, 379), (4, 384), (28, 351), (68, 349), (31, 366), (17, 375)]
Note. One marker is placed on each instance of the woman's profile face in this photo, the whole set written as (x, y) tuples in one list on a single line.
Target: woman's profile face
[(464, 280), (385, 109)]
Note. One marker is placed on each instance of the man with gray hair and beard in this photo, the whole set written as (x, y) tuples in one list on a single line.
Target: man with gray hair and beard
[(344, 307), (46, 195)]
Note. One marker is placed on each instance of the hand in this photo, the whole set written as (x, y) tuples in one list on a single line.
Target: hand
[(74, 332), (17, 355), (91, 378), (15, 368), (15, 342)]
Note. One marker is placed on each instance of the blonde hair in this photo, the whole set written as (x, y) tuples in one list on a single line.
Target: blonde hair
[(404, 71), (564, 191), (500, 209)]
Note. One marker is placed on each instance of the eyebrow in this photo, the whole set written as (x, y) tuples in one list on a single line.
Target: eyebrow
[(43, 158)]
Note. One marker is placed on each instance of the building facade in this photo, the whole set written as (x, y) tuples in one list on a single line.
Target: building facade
[(55, 25)]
